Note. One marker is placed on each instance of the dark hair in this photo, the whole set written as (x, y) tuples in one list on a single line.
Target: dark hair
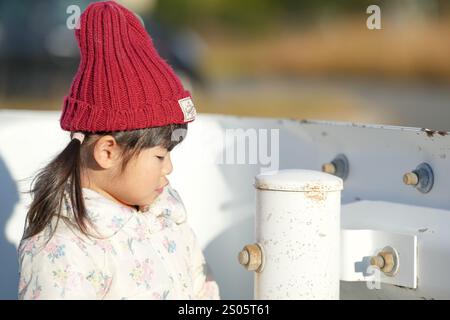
[(62, 174)]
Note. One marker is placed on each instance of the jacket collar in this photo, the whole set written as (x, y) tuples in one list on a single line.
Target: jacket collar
[(109, 217)]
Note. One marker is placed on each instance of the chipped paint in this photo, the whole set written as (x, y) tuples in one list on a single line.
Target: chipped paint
[(431, 133), (426, 230)]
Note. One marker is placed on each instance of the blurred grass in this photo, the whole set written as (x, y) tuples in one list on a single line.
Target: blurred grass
[(261, 100)]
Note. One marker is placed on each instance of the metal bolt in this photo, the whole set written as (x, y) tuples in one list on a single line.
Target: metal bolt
[(339, 166), (377, 261), (244, 257), (385, 260), (251, 257), (329, 168), (422, 178), (411, 179)]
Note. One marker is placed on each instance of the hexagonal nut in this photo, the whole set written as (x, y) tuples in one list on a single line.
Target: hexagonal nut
[(251, 257), (389, 262)]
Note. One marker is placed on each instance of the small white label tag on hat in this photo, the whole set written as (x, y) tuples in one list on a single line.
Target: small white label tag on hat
[(187, 106)]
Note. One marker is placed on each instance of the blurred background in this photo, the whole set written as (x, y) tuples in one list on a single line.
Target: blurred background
[(299, 59), (303, 59)]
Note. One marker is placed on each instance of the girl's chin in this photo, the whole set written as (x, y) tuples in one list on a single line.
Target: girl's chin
[(152, 197), (149, 200)]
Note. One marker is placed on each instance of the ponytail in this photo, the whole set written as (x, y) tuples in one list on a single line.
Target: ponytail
[(48, 188)]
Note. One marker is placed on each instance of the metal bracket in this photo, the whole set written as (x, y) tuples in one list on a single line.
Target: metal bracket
[(358, 247)]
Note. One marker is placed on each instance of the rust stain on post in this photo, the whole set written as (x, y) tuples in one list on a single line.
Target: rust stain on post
[(316, 195)]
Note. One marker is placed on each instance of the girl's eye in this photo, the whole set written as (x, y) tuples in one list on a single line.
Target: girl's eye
[(160, 158)]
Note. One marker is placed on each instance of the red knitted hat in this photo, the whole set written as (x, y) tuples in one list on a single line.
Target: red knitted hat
[(122, 83)]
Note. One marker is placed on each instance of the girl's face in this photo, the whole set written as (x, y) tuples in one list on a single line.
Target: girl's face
[(143, 178), (141, 181)]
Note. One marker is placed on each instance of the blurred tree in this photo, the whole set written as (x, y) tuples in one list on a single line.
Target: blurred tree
[(256, 15), (252, 15), (235, 14)]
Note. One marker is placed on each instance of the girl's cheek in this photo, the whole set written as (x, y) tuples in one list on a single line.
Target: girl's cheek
[(154, 170)]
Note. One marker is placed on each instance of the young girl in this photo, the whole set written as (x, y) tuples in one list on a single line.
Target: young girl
[(104, 222)]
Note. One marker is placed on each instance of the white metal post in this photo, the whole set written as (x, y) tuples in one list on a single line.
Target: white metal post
[(298, 231)]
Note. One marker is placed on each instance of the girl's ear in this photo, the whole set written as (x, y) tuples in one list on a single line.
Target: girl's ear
[(107, 152)]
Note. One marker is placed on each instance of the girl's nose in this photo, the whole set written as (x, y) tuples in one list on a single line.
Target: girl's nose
[(168, 167)]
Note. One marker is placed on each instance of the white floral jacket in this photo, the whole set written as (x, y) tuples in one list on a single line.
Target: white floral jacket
[(136, 255)]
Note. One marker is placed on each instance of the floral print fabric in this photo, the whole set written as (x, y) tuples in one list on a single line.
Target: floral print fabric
[(151, 254)]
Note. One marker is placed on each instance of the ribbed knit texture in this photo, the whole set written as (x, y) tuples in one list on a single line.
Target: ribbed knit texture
[(121, 83)]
